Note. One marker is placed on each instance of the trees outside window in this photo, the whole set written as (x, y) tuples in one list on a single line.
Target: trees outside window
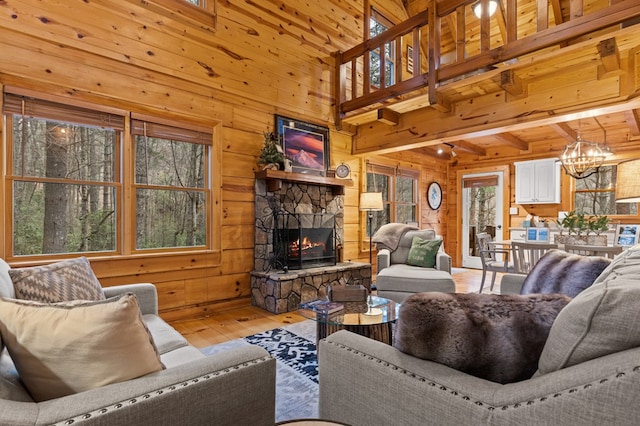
[(377, 25), (171, 182), (65, 187), (595, 195), (399, 194)]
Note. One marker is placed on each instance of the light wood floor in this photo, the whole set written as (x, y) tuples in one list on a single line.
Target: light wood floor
[(236, 323)]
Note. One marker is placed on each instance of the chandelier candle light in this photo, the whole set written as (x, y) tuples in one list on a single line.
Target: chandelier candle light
[(370, 202), (581, 159)]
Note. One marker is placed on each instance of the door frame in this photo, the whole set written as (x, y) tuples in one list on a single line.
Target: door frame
[(506, 201)]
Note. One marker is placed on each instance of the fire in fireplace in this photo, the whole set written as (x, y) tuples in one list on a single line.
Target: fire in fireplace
[(304, 240)]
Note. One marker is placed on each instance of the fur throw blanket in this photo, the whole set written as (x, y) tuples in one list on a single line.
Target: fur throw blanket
[(388, 236), (566, 273), (494, 337)]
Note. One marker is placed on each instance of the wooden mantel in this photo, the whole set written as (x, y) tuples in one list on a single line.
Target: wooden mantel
[(275, 178)]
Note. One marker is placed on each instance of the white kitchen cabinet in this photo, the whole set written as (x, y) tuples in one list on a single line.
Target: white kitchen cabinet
[(538, 181)]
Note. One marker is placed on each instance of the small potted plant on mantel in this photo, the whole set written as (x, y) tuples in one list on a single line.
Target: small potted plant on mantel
[(579, 228), (271, 156)]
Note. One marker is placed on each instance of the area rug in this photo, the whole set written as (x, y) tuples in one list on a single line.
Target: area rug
[(294, 348)]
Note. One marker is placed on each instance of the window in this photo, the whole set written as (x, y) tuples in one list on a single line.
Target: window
[(399, 194), (171, 185), (377, 25), (63, 177), (208, 5), (65, 180), (595, 195)]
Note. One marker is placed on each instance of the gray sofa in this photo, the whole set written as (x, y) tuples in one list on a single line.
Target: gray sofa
[(236, 387), (396, 280), (588, 372)]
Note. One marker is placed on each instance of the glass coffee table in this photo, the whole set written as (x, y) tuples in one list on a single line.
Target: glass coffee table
[(373, 319)]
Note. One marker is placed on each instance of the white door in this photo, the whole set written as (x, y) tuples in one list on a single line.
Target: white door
[(481, 212)]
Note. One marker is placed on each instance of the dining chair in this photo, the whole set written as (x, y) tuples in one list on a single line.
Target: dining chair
[(589, 250), (489, 258), (526, 255)]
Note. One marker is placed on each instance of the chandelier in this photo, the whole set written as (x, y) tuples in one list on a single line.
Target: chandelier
[(581, 159)]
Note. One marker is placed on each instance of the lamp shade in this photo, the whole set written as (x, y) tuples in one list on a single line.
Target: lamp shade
[(371, 201), (628, 182)]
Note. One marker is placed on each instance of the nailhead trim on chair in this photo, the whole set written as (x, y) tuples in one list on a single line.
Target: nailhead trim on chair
[(154, 394), (588, 386)]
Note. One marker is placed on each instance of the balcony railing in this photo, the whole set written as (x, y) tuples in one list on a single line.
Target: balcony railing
[(448, 42)]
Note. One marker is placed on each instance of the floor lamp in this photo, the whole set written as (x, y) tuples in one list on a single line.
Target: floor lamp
[(370, 202)]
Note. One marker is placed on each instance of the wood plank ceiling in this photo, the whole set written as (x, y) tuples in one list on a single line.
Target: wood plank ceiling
[(547, 88)]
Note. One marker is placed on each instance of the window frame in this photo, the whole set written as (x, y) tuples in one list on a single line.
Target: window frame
[(123, 181), (390, 202), (612, 217), (390, 59)]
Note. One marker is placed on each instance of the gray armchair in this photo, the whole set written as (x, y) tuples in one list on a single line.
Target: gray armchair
[(588, 372), (396, 280)]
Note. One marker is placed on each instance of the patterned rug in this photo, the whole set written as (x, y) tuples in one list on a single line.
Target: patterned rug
[(294, 347)]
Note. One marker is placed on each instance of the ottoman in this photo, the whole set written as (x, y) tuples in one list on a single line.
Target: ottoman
[(397, 282)]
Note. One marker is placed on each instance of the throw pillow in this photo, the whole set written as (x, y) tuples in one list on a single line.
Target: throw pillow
[(494, 337), (63, 281), (561, 272), (69, 347), (601, 320), (423, 252)]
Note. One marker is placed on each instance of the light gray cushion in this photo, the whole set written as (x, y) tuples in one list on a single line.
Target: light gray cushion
[(495, 337), (603, 319), (566, 273), (63, 281)]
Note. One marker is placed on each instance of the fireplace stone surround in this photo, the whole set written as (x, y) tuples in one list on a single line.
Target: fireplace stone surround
[(273, 288)]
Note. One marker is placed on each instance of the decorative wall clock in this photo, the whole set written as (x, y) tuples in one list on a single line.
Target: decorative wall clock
[(343, 171), (434, 195)]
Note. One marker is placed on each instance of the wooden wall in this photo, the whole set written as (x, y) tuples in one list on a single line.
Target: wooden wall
[(232, 72)]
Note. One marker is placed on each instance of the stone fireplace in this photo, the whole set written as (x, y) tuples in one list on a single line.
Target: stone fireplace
[(298, 239)]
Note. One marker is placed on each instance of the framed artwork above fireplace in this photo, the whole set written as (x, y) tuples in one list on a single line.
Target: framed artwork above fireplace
[(305, 144)]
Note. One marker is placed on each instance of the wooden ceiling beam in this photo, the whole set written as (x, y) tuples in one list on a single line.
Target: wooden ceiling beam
[(465, 146), (633, 121), (564, 130), (513, 141), (512, 84), (610, 57), (388, 116)]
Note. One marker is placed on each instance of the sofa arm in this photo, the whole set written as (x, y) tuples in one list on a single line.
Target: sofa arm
[(511, 283), (386, 386), (146, 294), (384, 259), (443, 262), (235, 387)]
